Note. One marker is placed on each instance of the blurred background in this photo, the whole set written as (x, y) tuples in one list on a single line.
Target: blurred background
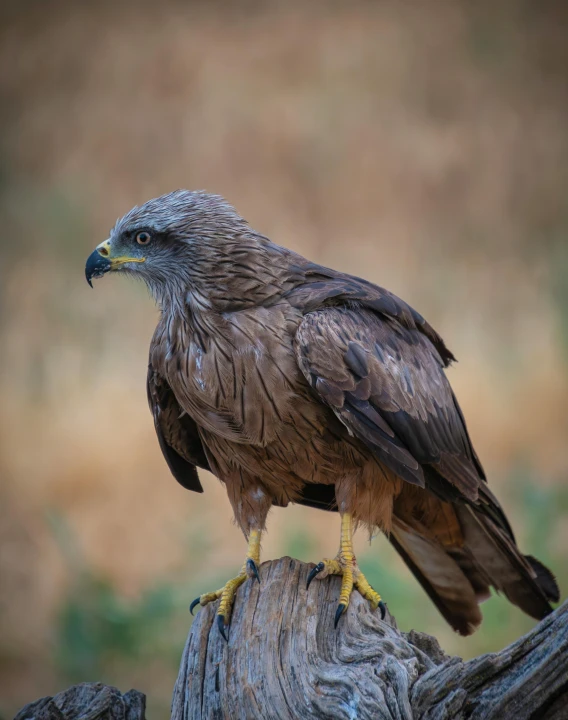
[(423, 146)]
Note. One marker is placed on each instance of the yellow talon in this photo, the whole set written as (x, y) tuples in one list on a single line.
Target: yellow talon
[(345, 564), (229, 590), (210, 597), (228, 595), (362, 584)]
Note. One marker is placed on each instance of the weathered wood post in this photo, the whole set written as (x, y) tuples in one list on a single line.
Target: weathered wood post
[(285, 661), (87, 701)]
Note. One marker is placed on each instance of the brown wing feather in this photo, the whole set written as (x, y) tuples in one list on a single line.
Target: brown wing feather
[(497, 556), (386, 383), (177, 434), (324, 287)]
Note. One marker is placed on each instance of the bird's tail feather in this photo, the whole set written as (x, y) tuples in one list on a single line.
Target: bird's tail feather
[(440, 576), (458, 576)]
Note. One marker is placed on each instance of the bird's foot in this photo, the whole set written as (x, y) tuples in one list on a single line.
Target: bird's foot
[(229, 590), (345, 564)]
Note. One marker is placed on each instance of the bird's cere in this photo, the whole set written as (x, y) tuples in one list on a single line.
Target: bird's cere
[(102, 260)]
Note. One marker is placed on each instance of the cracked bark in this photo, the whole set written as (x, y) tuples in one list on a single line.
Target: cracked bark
[(284, 661)]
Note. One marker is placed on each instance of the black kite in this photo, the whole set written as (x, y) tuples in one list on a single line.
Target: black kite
[(295, 383)]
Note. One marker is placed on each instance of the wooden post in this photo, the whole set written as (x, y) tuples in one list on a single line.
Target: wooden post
[(285, 661)]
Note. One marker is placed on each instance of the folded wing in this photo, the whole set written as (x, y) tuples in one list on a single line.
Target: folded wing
[(177, 433), (386, 384)]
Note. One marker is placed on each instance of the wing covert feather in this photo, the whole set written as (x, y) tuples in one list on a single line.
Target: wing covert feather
[(386, 383)]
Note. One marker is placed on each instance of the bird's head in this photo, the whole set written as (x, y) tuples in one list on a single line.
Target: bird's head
[(180, 242)]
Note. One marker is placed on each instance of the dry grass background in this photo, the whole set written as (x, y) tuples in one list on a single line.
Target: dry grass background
[(421, 145)]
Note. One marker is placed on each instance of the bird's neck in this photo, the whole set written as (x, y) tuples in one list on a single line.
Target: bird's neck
[(250, 277)]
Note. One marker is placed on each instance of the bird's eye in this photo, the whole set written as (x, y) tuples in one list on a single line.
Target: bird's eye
[(143, 238)]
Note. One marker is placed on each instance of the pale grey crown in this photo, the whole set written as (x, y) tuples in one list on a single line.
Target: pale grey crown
[(182, 211)]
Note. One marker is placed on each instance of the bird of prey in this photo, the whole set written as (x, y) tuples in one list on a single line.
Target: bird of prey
[(295, 383)]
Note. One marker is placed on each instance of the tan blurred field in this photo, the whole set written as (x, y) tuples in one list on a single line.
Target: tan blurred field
[(423, 146)]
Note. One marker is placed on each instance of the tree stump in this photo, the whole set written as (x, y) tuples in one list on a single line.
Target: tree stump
[(285, 661)]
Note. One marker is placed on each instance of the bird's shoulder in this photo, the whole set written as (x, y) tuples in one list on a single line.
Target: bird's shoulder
[(326, 288)]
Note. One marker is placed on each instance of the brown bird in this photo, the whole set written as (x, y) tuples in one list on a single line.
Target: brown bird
[(294, 383)]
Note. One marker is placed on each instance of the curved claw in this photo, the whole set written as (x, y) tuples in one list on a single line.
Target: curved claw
[(383, 608), (194, 604), (338, 613), (253, 570), (221, 625), (313, 572)]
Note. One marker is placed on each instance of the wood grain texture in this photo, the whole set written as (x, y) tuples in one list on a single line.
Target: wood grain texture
[(284, 660), (87, 701)]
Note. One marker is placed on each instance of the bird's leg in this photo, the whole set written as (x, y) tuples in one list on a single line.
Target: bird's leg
[(228, 591), (345, 564)]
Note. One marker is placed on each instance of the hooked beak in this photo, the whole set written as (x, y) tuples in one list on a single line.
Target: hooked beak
[(101, 260)]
